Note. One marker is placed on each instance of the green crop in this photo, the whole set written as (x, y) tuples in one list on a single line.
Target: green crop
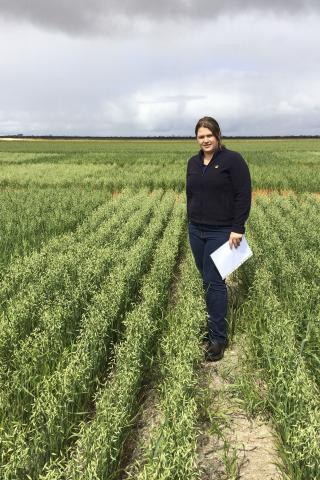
[(100, 303)]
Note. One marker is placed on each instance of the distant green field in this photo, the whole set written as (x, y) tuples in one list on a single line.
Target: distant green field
[(101, 306), (63, 146), (113, 164)]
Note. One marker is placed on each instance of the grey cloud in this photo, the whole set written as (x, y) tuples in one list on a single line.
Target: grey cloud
[(101, 17), (172, 99), (260, 78), (263, 111)]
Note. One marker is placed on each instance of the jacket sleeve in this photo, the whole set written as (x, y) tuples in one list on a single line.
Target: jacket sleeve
[(241, 182), (188, 193)]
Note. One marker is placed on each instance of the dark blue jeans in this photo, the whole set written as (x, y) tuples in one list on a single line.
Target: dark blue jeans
[(203, 241)]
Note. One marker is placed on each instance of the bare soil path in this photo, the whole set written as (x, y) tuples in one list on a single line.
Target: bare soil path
[(232, 445)]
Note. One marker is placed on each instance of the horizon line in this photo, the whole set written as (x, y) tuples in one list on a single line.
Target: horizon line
[(147, 137)]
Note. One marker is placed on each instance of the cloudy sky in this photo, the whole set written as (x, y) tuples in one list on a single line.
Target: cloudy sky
[(139, 67)]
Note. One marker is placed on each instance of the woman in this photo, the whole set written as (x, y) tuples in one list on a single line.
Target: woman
[(218, 205)]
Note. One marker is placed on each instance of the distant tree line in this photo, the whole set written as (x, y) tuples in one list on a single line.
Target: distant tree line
[(159, 137)]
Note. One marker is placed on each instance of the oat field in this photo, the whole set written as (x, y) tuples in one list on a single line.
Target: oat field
[(102, 314)]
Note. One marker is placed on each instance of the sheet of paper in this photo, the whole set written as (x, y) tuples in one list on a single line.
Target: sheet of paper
[(228, 259)]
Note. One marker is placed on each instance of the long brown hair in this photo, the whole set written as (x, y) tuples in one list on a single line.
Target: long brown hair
[(213, 126)]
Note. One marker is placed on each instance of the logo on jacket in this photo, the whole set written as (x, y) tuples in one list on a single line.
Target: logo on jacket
[(216, 166)]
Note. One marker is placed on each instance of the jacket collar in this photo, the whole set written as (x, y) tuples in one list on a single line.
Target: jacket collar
[(201, 155)]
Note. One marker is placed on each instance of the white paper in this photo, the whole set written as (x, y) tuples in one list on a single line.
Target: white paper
[(228, 259)]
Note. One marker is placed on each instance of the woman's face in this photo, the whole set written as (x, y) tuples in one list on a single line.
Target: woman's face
[(207, 140)]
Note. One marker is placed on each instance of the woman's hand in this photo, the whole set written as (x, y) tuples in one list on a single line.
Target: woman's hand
[(235, 239)]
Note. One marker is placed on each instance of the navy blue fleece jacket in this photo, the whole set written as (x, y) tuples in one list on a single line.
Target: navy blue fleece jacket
[(219, 194)]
